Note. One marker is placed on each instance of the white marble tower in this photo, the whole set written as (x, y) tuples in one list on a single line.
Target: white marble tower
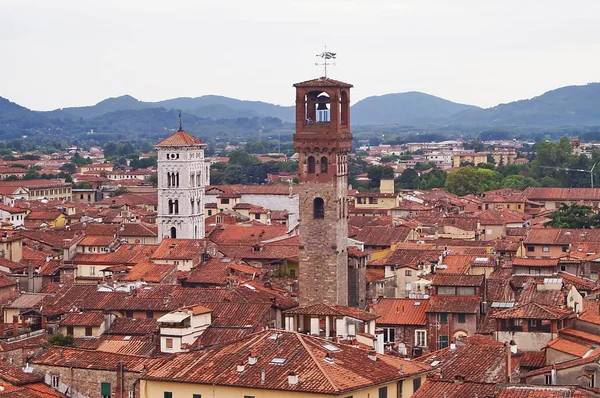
[(182, 176)]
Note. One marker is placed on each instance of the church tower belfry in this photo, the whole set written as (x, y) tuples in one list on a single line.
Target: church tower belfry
[(323, 140), (182, 175)]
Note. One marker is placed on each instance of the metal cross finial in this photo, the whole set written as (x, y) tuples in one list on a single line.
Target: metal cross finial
[(326, 55), (180, 122)]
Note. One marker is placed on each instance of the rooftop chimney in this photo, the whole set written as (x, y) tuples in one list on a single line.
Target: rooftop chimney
[(372, 355), (240, 367), (453, 345), (292, 378), (252, 358)]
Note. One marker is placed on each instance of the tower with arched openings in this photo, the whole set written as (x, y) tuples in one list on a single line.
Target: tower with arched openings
[(323, 140), (182, 175)]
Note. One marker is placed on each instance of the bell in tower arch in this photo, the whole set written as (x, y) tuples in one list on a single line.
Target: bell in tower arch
[(323, 109)]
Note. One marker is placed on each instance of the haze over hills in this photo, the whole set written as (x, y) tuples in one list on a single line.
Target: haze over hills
[(412, 107), (566, 106)]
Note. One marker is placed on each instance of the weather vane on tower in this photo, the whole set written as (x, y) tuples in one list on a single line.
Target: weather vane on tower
[(326, 55), (180, 122)]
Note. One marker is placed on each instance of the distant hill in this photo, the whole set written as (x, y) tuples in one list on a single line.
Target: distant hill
[(207, 106), (412, 107), (565, 106)]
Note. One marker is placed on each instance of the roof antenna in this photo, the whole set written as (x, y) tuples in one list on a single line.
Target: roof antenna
[(326, 55), (180, 122)]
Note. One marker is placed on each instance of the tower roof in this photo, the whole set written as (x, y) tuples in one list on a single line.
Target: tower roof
[(323, 82), (180, 138)]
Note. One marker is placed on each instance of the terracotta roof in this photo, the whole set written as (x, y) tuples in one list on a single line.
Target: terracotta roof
[(454, 304), (562, 365), (450, 389), (126, 345), (89, 318), (103, 241), (349, 370), (530, 391), (382, 235), (246, 233), (148, 272), (214, 272), (180, 138), (579, 335), (480, 359), (220, 335), (409, 258), (133, 326), (333, 310), (555, 236), (400, 311), (534, 262), (458, 280), (323, 82), (533, 310), (139, 229), (533, 359), (562, 194), (568, 347), (179, 249), (14, 375), (87, 359), (43, 215)]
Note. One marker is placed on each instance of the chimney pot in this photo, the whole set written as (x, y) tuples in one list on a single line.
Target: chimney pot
[(372, 355), (292, 378), (252, 358), (240, 367)]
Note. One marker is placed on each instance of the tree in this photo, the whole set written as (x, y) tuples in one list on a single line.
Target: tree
[(464, 181), (519, 182), (60, 339), (242, 158), (407, 179), (475, 146), (574, 216), (69, 168), (120, 191), (377, 173)]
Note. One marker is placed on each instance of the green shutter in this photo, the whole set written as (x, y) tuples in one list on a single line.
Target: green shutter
[(105, 389)]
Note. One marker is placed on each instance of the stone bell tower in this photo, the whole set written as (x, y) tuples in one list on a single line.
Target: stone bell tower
[(323, 140)]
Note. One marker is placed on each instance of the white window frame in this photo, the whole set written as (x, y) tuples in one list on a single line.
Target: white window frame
[(545, 249), (424, 333)]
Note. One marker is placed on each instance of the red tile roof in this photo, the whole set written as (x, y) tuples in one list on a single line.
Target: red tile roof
[(479, 359), (180, 249), (533, 310), (333, 310), (568, 347), (382, 235), (350, 369), (450, 389), (533, 359), (562, 194), (454, 304), (88, 318), (133, 326), (180, 138), (400, 311), (534, 262), (87, 359), (323, 82), (148, 272), (458, 280)]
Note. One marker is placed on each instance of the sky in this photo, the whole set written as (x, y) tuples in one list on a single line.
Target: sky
[(62, 53)]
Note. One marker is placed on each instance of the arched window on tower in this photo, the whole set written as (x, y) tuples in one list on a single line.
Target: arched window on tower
[(324, 165), (176, 206), (173, 233), (177, 180), (311, 164), (192, 205), (318, 208), (168, 180), (170, 206)]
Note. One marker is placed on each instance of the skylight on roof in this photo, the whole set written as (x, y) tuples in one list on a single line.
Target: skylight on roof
[(274, 336), (127, 338), (501, 304), (481, 260), (417, 303), (331, 347), (278, 361), (435, 363), (249, 286)]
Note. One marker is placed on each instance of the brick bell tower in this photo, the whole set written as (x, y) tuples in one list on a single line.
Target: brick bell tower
[(323, 140)]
